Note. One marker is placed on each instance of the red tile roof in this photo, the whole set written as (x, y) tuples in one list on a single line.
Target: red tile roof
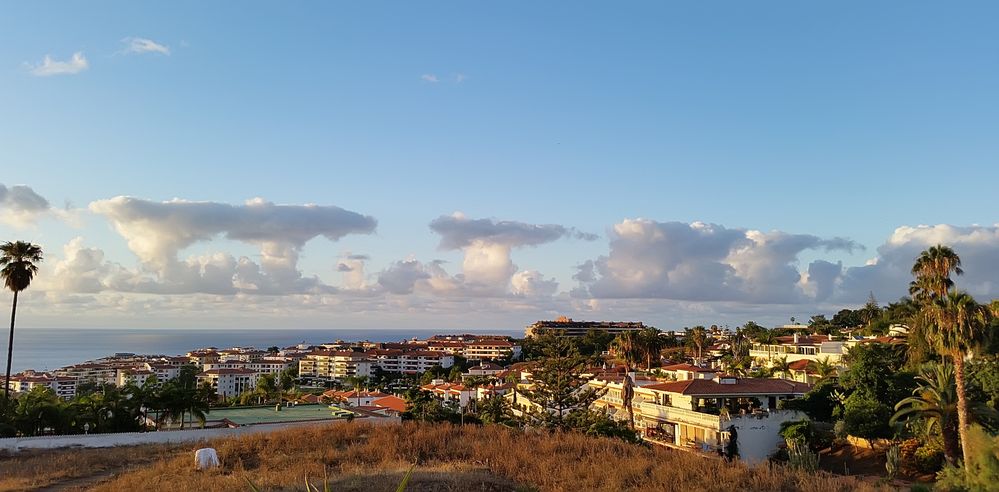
[(746, 386), (393, 402)]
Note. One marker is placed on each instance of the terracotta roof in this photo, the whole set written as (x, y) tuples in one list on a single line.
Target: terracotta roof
[(746, 386), (799, 365), (393, 402)]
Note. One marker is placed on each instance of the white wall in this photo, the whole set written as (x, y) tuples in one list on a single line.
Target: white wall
[(758, 437)]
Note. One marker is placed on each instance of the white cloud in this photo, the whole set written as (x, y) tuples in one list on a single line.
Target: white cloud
[(142, 45), (157, 231), (49, 66), (889, 274), (702, 262), (429, 77), (532, 283), (459, 78), (21, 206)]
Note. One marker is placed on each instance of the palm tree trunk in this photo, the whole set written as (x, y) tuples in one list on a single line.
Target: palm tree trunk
[(10, 348), (963, 419)]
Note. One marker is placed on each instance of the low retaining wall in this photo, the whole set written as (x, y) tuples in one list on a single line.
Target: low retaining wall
[(14, 444)]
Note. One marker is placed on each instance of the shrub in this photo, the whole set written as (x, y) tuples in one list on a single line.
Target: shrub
[(893, 460), (866, 417), (839, 429), (929, 458), (800, 457)]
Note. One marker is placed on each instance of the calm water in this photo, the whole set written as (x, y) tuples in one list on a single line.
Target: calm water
[(48, 348)]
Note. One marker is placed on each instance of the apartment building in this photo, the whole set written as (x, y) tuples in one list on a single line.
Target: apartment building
[(229, 382), (64, 387), (328, 364), (572, 328), (491, 349)]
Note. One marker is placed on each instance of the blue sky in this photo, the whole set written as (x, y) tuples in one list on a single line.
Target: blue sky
[(840, 120)]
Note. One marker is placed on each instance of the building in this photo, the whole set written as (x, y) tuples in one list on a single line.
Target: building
[(341, 364), (698, 414), (229, 382), (572, 328), (64, 387), (328, 364), (800, 347), (491, 349)]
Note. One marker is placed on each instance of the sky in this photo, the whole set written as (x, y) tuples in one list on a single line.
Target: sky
[(469, 165)]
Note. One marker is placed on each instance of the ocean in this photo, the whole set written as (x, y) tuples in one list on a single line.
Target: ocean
[(44, 349)]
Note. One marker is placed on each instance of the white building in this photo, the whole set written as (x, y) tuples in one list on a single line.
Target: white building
[(229, 382), (800, 347), (64, 387)]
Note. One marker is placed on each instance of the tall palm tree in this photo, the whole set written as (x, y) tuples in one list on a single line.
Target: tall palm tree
[(934, 400), (628, 346), (19, 261), (958, 326), (652, 344), (932, 270), (696, 337)]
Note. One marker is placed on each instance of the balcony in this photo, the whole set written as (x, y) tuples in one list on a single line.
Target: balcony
[(681, 416)]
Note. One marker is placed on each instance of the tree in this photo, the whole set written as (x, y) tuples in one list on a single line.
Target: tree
[(696, 337), (957, 327), (651, 343), (782, 366), (879, 369), (824, 368), (934, 401), (595, 342), (628, 346), (932, 271), (866, 417), (560, 390), (20, 264)]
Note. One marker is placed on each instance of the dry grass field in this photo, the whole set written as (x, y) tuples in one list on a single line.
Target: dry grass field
[(491, 458)]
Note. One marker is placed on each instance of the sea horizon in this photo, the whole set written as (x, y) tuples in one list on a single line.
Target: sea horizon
[(45, 349)]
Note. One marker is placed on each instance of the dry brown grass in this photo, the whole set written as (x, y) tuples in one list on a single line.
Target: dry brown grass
[(492, 458), (30, 470)]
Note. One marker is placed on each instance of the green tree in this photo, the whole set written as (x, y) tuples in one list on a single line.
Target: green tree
[(824, 368), (866, 417), (934, 402), (696, 337), (20, 264), (627, 346), (594, 342), (651, 344), (879, 369), (560, 391), (781, 365), (958, 326)]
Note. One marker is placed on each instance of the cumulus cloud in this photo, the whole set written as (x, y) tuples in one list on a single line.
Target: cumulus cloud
[(351, 268), (888, 275), (702, 262), (157, 231), (49, 66), (134, 45), (20, 205), (486, 243), (532, 283)]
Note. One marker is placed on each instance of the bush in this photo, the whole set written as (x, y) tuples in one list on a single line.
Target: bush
[(928, 458), (839, 430), (866, 417)]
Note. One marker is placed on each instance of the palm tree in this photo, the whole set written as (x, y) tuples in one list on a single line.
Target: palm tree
[(628, 346), (934, 400), (932, 271), (696, 337), (19, 261), (957, 326), (782, 366), (824, 368), (652, 344)]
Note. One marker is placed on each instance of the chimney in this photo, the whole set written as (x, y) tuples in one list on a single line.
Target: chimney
[(795, 338)]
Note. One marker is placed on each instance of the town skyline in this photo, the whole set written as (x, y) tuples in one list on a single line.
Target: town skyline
[(451, 166)]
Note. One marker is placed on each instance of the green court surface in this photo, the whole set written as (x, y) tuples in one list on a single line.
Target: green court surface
[(266, 415)]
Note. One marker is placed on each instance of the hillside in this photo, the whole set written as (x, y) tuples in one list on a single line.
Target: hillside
[(491, 458)]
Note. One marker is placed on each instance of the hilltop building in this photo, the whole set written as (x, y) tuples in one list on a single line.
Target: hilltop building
[(572, 328)]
